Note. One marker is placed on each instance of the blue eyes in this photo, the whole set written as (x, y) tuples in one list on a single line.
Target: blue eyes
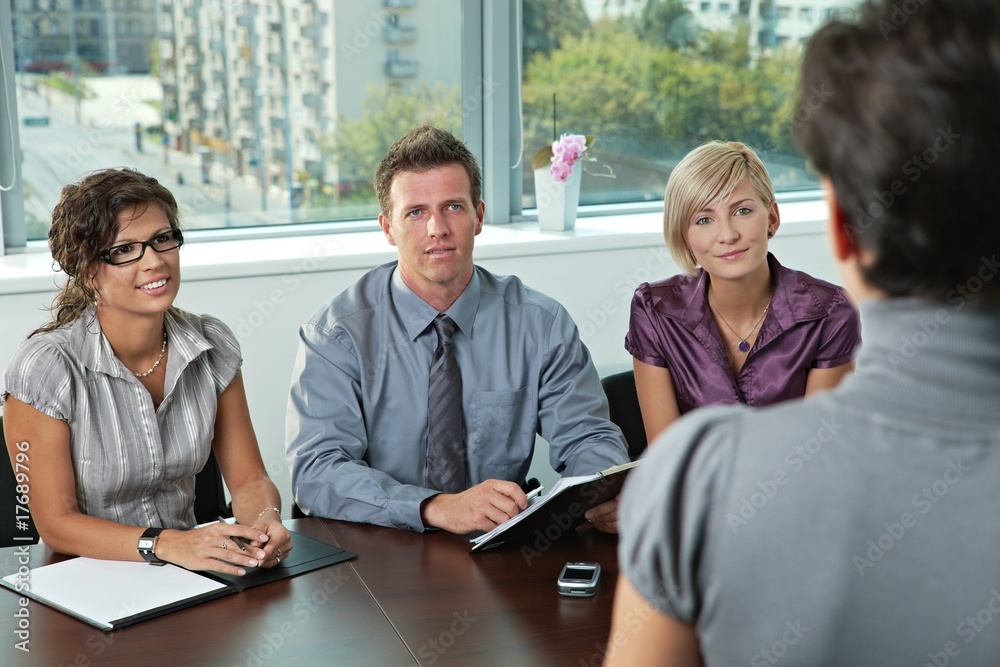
[(417, 211), (743, 210)]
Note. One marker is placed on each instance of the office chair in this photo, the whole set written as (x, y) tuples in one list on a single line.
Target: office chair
[(623, 402), (15, 522), (210, 493)]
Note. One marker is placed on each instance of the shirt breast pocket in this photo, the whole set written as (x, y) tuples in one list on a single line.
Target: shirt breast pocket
[(503, 426)]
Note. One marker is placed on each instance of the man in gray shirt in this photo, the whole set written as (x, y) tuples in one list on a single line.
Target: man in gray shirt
[(859, 527), (357, 423)]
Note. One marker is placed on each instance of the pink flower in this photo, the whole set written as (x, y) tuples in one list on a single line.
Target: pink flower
[(561, 171), (565, 152)]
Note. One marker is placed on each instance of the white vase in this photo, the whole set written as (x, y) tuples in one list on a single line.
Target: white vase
[(557, 202)]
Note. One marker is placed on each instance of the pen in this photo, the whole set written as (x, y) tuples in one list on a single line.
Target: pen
[(239, 542), (534, 493)]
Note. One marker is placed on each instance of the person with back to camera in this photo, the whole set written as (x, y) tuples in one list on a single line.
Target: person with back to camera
[(742, 328), (119, 400), (860, 526)]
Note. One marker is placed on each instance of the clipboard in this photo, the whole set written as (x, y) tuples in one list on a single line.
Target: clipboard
[(557, 512)]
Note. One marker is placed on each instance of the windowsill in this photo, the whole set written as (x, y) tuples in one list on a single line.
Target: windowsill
[(32, 272)]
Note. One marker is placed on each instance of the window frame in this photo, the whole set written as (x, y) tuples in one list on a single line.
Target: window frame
[(491, 79)]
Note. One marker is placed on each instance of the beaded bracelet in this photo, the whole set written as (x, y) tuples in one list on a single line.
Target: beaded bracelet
[(270, 509)]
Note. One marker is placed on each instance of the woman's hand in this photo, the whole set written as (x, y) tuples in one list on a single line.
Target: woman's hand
[(213, 547), (279, 541)]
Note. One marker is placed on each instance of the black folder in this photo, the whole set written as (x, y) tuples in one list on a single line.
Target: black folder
[(307, 555)]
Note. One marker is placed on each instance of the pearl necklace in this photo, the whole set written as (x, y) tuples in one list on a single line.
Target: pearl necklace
[(163, 349)]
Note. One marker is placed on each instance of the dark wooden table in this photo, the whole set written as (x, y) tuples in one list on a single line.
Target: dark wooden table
[(408, 599)]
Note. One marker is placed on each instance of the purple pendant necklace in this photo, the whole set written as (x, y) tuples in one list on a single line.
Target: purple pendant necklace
[(744, 344)]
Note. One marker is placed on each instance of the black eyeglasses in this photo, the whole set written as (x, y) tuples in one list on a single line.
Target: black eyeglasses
[(126, 253)]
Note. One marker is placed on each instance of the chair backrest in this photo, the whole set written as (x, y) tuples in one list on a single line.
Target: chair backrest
[(210, 493), (623, 402), (16, 521)]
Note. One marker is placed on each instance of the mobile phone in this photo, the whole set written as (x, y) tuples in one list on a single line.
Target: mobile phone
[(579, 579)]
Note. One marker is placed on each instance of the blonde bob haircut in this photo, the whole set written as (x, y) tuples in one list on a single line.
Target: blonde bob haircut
[(706, 176)]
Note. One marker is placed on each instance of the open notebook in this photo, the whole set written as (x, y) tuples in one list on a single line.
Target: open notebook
[(111, 594)]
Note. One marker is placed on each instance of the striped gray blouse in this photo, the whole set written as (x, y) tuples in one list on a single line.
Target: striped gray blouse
[(133, 464)]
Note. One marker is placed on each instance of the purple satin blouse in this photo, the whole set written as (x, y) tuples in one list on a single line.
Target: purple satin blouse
[(810, 324)]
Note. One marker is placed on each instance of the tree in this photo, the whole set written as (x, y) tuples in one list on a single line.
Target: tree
[(548, 22), (601, 85), (666, 23), (357, 145), (717, 91)]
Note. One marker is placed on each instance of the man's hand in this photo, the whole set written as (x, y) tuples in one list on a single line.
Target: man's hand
[(604, 516), (483, 507)]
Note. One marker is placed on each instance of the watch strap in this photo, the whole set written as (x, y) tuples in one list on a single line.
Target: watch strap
[(148, 554)]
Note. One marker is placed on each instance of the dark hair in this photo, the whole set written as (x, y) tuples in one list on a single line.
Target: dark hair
[(425, 148), (85, 222), (898, 109)]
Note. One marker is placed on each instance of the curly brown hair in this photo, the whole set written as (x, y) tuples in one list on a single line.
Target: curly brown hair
[(85, 222)]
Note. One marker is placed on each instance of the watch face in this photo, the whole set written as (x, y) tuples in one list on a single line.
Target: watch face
[(145, 542)]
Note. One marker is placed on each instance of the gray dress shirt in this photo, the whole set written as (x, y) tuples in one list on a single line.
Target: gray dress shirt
[(133, 464), (357, 414), (858, 527)]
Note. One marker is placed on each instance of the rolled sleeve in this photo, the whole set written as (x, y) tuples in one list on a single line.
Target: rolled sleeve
[(40, 375), (841, 334), (573, 410), (326, 440), (225, 356), (666, 515), (643, 341)]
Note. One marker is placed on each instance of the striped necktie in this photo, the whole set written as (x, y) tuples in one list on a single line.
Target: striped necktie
[(445, 467)]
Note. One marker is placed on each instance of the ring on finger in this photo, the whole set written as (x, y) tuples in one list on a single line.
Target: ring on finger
[(224, 543)]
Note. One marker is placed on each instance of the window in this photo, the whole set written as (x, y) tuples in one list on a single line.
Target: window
[(275, 112), (653, 85)]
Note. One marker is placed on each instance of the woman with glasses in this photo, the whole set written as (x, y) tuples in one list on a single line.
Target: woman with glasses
[(119, 400)]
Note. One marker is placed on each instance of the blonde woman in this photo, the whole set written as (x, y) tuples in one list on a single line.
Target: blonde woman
[(120, 398), (737, 326)]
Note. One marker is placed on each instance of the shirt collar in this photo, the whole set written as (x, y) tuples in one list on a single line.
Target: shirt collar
[(91, 346), (417, 314), (794, 299)]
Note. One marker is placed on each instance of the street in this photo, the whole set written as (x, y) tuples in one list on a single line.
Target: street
[(63, 150)]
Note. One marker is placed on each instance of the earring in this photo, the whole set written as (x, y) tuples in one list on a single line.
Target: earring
[(770, 235)]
